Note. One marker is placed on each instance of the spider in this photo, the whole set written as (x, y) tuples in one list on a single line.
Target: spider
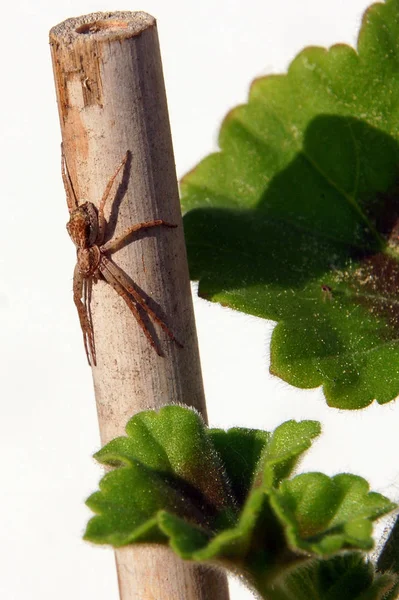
[(87, 228)]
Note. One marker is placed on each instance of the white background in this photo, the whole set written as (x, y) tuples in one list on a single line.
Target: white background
[(211, 51)]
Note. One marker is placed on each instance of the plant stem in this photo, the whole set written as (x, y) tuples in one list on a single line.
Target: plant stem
[(111, 100)]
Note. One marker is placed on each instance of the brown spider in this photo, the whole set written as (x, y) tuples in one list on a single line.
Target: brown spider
[(87, 228)]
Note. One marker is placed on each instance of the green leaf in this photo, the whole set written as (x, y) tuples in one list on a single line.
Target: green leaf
[(224, 497), (296, 219), (168, 462), (240, 451), (324, 515), (289, 441), (252, 457), (344, 577)]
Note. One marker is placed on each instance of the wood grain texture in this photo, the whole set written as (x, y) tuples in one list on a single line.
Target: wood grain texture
[(111, 100)]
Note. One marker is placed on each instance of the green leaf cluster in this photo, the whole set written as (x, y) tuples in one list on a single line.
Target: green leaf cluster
[(225, 497)]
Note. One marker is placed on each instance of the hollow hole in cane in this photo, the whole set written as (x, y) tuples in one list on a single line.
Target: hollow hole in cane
[(97, 26)]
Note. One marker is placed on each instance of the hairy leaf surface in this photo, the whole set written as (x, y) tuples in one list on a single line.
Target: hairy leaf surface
[(225, 496), (295, 219)]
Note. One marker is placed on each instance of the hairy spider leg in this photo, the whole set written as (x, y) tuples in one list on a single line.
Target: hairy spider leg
[(87, 290), (72, 200), (101, 206), (114, 244), (120, 289), (121, 278), (79, 289)]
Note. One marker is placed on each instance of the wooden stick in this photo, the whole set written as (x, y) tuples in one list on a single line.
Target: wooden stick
[(111, 100)]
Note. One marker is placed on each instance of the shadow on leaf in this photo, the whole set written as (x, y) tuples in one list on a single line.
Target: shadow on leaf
[(317, 252)]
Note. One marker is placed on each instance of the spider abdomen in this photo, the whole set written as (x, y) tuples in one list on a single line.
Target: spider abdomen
[(88, 260)]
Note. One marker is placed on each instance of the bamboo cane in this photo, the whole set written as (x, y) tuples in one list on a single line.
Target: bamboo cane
[(111, 100)]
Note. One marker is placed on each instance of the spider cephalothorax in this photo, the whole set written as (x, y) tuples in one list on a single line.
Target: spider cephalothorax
[(87, 229)]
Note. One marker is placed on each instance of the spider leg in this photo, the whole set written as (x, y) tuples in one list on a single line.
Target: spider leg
[(113, 245), (88, 287), (121, 278), (101, 206), (120, 289), (84, 282), (72, 200), (80, 288)]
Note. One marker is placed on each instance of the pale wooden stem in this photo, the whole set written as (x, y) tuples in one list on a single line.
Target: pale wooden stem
[(111, 99)]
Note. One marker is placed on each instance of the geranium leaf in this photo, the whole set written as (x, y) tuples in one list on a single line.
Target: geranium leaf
[(296, 218), (166, 461), (240, 450), (349, 576), (326, 514), (252, 457), (227, 498), (289, 441)]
